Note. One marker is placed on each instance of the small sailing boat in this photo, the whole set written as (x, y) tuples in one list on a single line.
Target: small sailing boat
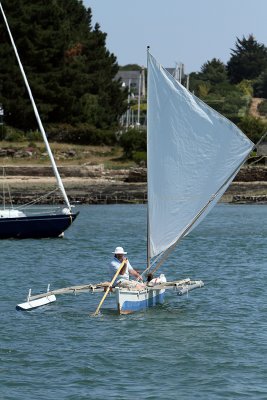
[(21, 224), (193, 154)]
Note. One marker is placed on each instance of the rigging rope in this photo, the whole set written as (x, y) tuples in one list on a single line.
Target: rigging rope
[(39, 198)]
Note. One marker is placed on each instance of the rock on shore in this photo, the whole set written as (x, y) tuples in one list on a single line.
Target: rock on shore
[(89, 184)]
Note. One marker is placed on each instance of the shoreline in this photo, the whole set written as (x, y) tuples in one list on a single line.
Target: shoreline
[(96, 185), (97, 191)]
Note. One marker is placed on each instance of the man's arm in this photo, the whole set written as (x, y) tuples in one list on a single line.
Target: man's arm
[(123, 270), (136, 274), (114, 266)]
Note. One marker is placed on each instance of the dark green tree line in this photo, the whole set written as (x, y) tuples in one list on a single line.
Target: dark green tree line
[(260, 85), (248, 60), (70, 70)]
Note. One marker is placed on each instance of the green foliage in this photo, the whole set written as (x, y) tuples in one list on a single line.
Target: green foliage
[(260, 85), (248, 60), (34, 136), (213, 87), (131, 67), (143, 107), (231, 105), (203, 89), (70, 71), (140, 157), (229, 100), (214, 72), (253, 127), (80, 134), (13, 135), (262, 108), (246, 87), (133, 141)]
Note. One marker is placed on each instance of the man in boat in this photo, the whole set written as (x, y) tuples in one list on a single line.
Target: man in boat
[(123, 279)]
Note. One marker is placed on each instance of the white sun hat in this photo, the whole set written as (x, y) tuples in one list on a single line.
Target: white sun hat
[(119, 250)]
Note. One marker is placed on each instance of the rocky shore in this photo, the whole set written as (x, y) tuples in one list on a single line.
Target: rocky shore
[(93, 184)]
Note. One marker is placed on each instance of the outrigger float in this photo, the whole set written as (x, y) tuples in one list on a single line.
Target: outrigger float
[(127, 301)]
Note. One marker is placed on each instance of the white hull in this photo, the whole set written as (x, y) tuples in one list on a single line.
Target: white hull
[(129, 301)]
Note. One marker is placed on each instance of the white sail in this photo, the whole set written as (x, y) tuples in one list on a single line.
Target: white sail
[(193, 155)]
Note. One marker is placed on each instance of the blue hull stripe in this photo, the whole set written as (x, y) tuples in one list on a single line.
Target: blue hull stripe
[(140, 305)]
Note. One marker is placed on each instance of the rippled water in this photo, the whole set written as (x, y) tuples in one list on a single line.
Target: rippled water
[(209, 345)]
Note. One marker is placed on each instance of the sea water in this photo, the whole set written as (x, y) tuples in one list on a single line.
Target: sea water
[(211, 344)]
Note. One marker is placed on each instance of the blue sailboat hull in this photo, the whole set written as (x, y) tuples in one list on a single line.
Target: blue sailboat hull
[(35, 227)]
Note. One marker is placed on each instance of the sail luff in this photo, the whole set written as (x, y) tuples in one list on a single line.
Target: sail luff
[(51, 157)]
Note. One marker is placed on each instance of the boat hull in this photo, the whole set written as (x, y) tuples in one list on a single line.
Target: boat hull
[(129, 301), (35, 227)]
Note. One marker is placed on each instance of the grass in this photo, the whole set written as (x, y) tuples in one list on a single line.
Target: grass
[(65, 154)]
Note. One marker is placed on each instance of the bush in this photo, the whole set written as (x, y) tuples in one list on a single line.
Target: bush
[(80, 134), (232, 105), (13, 135), (253, 127), (139, 157), (133, 141), (262, 108), (34, 136)]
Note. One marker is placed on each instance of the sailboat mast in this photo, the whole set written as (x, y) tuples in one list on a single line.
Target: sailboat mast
[(148, 226), (58, 178)]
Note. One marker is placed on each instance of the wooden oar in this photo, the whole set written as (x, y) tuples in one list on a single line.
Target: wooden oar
[(109, 287)]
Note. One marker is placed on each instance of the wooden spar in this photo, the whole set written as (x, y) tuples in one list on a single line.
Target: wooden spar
[(72, 289), (184, 285), (43, 299), (100, 287), (110, 286)]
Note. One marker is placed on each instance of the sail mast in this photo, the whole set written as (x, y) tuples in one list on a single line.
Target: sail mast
[(148, 227), (58, 178)]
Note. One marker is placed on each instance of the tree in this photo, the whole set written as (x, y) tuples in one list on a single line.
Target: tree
[(253, 127), (214, 71), (133, 141), (70, 71), (131, 67), (247, 61), (260, 85)]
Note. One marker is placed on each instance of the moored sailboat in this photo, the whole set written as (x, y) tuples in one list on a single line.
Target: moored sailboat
[(22, 223)]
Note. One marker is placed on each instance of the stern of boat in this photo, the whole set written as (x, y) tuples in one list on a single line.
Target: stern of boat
[(129, 301)]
